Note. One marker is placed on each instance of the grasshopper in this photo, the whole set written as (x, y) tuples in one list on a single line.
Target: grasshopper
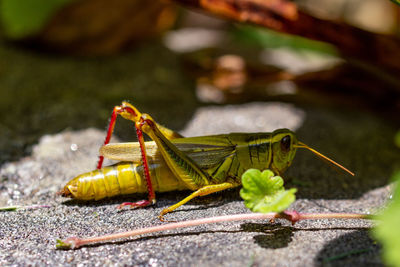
[(204, 164)]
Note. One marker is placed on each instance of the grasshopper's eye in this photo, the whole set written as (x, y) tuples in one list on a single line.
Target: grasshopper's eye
[(285, 143)]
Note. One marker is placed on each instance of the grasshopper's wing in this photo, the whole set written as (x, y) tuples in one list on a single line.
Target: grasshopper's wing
[(206, 151), (128, 151)]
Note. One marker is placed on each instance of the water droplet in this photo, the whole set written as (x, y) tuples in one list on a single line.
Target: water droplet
[(16, 194), (74, 147)]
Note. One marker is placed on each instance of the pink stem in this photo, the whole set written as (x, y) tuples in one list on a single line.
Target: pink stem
[(293, 216)]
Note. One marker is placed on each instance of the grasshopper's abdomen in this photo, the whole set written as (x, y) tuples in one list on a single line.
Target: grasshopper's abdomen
[(120, 179), (106, 182)]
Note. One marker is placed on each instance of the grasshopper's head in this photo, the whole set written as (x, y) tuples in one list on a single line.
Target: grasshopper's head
[(284, 146)]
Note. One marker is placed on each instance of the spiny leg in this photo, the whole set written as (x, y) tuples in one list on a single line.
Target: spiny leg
[(129, 112), (168, 133), (183, 167), (128, 108), (110, 130), (152, 195), (200, 192)]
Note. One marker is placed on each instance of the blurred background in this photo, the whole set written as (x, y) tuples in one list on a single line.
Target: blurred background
[(64, 64)]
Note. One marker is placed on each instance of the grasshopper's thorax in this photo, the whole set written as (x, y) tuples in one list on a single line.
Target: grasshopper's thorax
[(262, 151), (254, 151)]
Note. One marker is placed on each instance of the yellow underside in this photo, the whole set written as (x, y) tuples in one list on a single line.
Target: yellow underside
[(121, 179)]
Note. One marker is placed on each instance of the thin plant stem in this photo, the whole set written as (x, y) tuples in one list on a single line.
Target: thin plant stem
[(292, 216), (16, 208)]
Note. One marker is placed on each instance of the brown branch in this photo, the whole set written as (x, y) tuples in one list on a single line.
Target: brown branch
[(353, 42), (282, 15), (260, 12)]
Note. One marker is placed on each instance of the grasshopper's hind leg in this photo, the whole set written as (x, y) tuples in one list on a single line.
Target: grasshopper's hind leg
[(183, 167), (129, 112)]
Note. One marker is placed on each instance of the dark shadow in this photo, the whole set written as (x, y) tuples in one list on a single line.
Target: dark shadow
[(278, 235), (273, 235), (351, 249), (44, 93), (164, 200)]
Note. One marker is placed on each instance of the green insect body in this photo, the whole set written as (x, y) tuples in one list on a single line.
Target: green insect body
[(223, 157), (204, 164)]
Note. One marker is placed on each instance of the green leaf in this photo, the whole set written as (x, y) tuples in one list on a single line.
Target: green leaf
[(388, 230), (23, 18), (263, 192)]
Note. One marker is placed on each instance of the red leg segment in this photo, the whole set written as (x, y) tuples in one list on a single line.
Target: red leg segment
[(152, 195), (110, 130), (128, 112)]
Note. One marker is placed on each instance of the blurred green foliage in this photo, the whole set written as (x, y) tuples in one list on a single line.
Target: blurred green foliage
[(396, 2), (271, 39), (24, 18), (388, 230), (397, 139)]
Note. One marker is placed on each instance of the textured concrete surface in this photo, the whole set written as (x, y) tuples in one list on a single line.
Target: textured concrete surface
[(359, 140)]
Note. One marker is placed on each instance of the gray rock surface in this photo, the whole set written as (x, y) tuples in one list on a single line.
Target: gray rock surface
[(360, 141)]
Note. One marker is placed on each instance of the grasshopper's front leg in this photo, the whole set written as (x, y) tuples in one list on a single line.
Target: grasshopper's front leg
[(129, 112)]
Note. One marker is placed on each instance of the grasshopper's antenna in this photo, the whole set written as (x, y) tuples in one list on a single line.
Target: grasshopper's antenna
[(302, 145)]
